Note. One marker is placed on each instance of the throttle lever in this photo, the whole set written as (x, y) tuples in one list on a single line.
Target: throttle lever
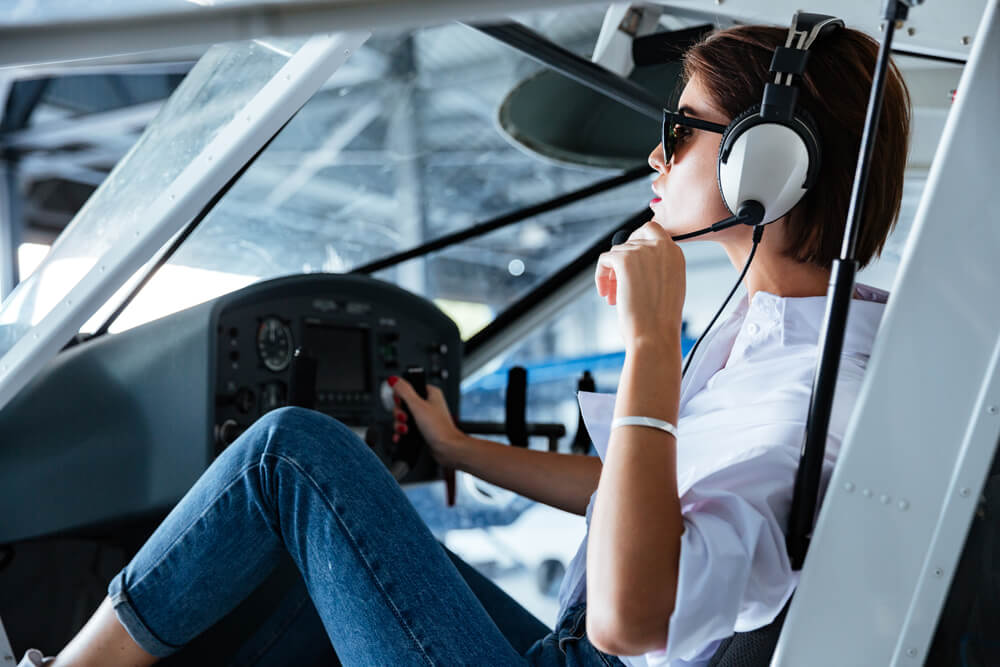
[(417, 378)]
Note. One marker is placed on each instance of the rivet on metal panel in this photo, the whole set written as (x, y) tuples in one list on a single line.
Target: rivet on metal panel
[(867, 493), (884, 499), (903, 505), (964, 492), (347, 52), (899, 24), (938, 572), (993, 409), (849, 487), (965, 40), (911, 652), (911, 31)]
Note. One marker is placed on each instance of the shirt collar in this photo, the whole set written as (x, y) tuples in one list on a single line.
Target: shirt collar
[(780, 322), (769, 322)]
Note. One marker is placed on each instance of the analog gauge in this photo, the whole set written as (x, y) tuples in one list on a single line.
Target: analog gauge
[(274, 344)]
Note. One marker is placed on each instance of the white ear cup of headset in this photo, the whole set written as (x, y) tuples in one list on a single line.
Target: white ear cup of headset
[(767, 163), (771, 162)]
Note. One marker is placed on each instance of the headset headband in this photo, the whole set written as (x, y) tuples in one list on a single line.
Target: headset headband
[(813, 26), (780, 97)]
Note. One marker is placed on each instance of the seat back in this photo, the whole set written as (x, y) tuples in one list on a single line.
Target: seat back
[(750, 649)]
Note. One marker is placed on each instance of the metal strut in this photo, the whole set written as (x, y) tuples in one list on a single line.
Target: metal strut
[(838, 301)]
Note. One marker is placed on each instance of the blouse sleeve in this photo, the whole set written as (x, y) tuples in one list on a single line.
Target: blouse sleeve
[(734, 572)]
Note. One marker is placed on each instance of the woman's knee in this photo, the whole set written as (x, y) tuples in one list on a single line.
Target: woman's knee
[(294, 432)]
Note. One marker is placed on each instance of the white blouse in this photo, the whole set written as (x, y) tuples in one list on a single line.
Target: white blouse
[(741, 425)]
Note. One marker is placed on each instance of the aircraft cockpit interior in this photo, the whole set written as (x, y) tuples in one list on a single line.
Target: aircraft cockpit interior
[(221, 220)]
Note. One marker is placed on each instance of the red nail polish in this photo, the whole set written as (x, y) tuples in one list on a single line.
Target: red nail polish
[(401, 428), (393, 379)]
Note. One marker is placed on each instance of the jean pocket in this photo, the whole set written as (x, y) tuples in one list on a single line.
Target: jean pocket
[(576, 633), (575, 629)]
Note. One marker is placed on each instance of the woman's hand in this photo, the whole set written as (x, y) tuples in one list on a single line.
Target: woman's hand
[(432, 417), (644, 277)]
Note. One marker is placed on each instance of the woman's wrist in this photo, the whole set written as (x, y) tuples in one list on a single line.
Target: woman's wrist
[(454, 450), (648, 386), (661, 343)]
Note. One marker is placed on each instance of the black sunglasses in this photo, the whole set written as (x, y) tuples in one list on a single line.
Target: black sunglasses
[(668, 133)]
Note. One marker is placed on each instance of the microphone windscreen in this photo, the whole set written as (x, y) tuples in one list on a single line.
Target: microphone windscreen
[(621, 236)]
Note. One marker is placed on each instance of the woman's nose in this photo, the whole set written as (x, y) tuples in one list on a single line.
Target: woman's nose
[(656, 162)]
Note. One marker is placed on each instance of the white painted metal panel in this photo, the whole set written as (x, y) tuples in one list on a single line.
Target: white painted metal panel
[(920, 440), (67, 40), (938, 28)]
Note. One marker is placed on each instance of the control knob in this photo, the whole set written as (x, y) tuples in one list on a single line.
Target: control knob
[(227, 432)]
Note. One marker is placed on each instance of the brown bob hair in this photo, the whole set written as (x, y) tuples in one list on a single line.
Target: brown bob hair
[(733, 64)]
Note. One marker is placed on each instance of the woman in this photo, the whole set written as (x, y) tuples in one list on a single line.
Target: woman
[(685, 541)]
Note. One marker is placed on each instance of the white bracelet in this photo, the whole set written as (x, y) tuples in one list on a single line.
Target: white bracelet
[(645, 421)]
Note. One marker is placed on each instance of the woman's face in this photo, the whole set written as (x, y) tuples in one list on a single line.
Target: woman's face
[(686, 188)]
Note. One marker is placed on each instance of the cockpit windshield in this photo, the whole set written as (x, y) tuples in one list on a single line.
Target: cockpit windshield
[(215, 89), (400, 146)]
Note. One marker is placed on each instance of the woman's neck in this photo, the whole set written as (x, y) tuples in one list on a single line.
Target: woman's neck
[(777, 274)]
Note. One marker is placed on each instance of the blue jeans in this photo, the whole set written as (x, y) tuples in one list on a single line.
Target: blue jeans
[(299, 486)]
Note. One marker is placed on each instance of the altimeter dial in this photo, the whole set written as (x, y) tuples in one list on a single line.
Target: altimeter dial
[(274, 344)]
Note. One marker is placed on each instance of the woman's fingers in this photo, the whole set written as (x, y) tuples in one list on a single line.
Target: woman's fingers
[(611, 265), (403, 389), (604, 276), (607, 283)]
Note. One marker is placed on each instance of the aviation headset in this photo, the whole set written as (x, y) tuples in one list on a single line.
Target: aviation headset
[(769, 156), (770, 153)]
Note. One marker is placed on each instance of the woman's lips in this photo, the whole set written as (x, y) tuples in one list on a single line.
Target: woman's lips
[(655, 200)]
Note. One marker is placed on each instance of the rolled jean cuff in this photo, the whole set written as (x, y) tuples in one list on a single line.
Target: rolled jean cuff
[(133, 623)]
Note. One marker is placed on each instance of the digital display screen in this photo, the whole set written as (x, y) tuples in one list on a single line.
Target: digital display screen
[(341, 355)]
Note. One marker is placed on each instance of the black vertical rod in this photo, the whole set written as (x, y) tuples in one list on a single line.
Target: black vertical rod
[(841, 288)]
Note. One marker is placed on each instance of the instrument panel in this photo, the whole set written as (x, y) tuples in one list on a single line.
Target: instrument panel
[(143, 412), (330, 348)]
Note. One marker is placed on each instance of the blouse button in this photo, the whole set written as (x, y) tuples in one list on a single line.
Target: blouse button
[(753, 329)]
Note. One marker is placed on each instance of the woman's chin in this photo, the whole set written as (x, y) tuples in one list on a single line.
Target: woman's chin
[(673, 227), (664, 223), (659, 218)]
